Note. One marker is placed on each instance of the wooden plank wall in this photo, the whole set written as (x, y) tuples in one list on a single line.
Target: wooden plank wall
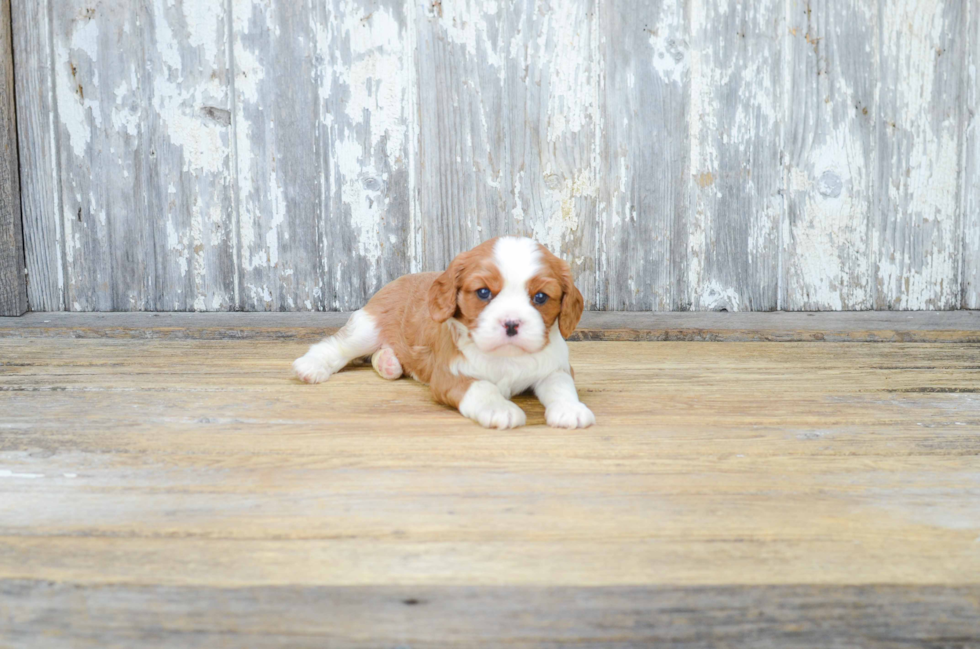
[(270, 155), (13, 288)]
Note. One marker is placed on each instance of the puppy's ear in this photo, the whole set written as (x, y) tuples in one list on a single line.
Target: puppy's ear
[(442, 294), (572, 303)]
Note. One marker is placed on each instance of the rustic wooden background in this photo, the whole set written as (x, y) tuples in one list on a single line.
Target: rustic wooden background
[(683, 154), (13, 293)]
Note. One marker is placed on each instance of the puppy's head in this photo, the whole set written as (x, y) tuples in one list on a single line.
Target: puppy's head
[(508, 293)]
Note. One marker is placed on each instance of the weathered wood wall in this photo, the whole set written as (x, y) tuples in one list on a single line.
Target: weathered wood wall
[(682, 154), (13, 288)]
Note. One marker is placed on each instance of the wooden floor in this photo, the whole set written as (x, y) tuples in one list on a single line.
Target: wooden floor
[(189, 493)]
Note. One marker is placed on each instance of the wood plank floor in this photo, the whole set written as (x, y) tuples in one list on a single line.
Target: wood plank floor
[(190, 493)]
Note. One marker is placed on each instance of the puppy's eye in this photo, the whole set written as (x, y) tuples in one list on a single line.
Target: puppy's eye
[(484, 294), (540, 298)]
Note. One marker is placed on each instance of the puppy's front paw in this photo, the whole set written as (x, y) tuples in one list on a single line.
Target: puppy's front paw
[(569, 414), (500, 414), (311, 370)]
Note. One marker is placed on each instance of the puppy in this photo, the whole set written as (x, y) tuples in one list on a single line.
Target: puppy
[(491, 326)]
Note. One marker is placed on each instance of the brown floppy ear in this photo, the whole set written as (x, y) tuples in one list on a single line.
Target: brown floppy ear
[(572, 303), (442, 294)]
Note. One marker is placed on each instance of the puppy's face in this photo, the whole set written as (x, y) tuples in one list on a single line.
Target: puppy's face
[(508, 292)]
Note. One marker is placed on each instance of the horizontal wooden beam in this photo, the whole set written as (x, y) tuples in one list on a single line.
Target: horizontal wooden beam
[(849, 326), (13, 283)]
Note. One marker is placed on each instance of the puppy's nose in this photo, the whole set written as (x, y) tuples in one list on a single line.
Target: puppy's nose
[(511, 326)]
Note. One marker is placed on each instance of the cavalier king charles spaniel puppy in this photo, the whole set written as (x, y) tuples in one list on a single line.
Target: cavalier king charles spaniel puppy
[(491, 326)]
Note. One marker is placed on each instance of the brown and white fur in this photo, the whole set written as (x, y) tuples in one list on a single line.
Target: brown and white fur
[(475, 353)]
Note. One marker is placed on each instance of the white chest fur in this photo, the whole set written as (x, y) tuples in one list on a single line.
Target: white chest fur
[(511, 374)]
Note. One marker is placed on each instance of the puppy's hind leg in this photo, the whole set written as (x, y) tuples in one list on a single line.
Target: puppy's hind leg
[(386, 364), (357, 338)]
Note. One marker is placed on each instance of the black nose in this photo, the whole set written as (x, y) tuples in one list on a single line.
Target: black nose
[(512, 327)]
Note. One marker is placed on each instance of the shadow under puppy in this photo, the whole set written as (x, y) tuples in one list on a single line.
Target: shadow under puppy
[(491, 326)]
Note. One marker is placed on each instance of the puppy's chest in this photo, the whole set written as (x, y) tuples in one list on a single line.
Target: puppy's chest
[(511, 375)]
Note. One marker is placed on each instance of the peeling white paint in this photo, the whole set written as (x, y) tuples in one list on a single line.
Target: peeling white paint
[(197, 251), (715, 297), (668, 42), (365, 205), (248, 73), (376, 78), (566, 44), (564, 218), (71, 238), (180, 106), (278, 218), (734, 161), (919, 256), (202, 144), (125, 111), (546, 61), (831, 260), (370, 141), (76, 111), (176, 245), (518, 212), (205, 26), (467, 23)]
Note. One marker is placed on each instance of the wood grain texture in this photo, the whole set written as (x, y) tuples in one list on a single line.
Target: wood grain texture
[(917, 227), (183, 107), (278, 172), (443, 616), (191, 492), (365, 136), (507, 129), (145, 156), (645, 158), (708, 155), (970, 186), (321, 106), (736, 204), (13, 287), (39, 158), (828, 262), (102, 173)]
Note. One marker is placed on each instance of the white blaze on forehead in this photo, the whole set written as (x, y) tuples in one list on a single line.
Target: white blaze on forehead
[(518, 259)]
